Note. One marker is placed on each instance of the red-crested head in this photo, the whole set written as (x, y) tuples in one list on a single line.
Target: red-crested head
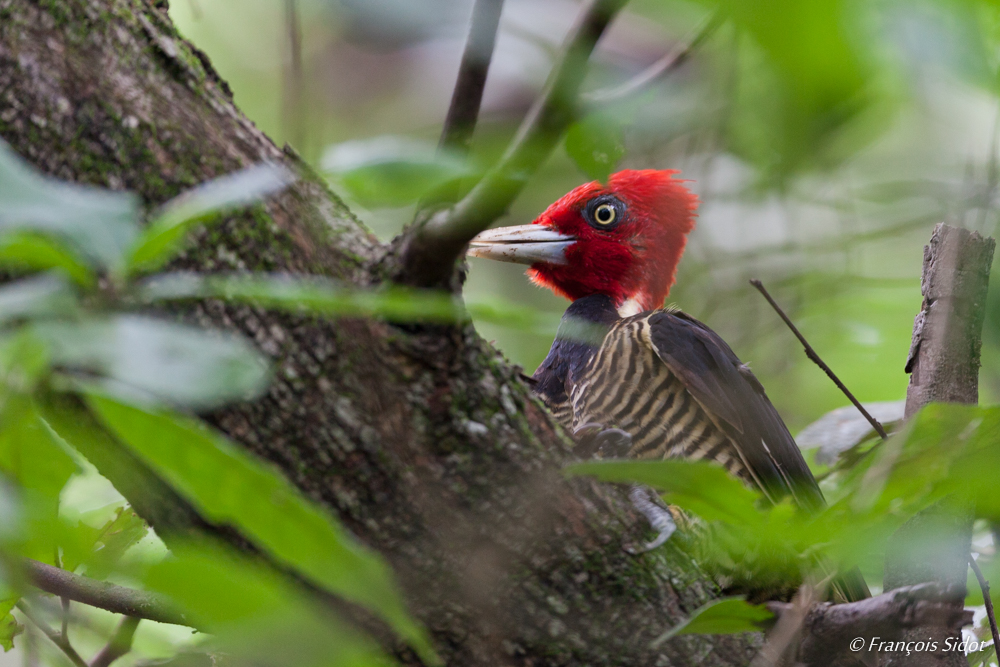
[(629, 237)]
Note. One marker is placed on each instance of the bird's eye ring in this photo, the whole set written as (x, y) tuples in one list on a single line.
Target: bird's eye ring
[(605, 214)]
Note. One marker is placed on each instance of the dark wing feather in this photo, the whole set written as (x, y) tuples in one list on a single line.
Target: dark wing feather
[(727, 389)]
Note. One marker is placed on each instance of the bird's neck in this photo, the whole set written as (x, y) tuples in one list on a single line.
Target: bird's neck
[(581, 331)]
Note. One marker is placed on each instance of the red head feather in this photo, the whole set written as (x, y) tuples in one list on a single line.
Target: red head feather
[(633, 258)]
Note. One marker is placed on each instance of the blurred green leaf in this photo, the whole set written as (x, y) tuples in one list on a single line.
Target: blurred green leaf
[(596, 144), (146, 357), (704, 488), (9, 627), (984, 657), (229, 486), (946, 449), (255, 614), (392, 171), (327, 297), (806, 77), (100, 223), (106, 545), (46, 295), (317, 295), (29, 452), (33, 458), (38, 252), (721, 617), (165, 234)]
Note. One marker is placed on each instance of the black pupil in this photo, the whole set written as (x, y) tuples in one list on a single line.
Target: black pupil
[(604, 213)]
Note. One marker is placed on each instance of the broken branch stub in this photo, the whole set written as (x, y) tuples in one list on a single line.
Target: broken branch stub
[(943, 363)]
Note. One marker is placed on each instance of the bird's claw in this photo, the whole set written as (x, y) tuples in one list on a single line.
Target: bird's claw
[(660, 519), (606, 443)]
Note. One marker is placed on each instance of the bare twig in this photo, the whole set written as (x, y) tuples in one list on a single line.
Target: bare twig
[(111, 597), (987, 600), (787, 632), (811, 353), (432, 245), (293, 88), (119, 644), (59, 640), (665, 65), (64, 628), (460, 123)]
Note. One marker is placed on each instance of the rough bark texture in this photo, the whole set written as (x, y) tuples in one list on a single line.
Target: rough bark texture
[(837, 634), (943, 362), (423, 440), (947, 334)]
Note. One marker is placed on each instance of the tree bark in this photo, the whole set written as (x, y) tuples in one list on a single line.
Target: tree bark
[(943, 364), (423, 440)]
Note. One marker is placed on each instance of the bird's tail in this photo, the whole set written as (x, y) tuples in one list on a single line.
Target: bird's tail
[(850, 586)]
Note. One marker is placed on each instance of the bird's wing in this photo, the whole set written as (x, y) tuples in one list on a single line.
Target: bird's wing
[(680, 391), (736, 401)]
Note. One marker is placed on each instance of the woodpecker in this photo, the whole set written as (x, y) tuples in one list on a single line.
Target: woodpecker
[(639, 379)]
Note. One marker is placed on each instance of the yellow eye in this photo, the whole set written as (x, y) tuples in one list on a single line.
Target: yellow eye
[(605, 214)]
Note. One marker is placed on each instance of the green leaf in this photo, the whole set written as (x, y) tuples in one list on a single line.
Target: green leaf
[(46, 295), (256, 615), (100, 223), (316, 295), (512, 315), (326, 297), (984, 657), (30, 250), (165, 234), (596, 144), (108, 544), (229, 486), (30, 454), (721, 617), (703, 488), (392, 171), (33, 458), (145, 357), (945, 449), (9, 627)]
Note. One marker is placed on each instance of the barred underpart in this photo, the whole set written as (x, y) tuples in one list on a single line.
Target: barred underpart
[(627, 386)]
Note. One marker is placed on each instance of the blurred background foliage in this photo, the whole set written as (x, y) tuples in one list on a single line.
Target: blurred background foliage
[(825, 139)]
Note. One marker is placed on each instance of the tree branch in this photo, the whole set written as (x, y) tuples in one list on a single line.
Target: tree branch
[(119, 644), (943, 362), (460, 123), (662, 67), (987, 600), (431, 246), (811, 353), (58, 639), (111, 597), (829, 629)]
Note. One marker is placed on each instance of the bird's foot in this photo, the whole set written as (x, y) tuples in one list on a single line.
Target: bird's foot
[(660, 519), (597, 441)]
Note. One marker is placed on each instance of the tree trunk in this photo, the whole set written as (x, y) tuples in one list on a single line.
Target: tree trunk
[(423, 440), (943, 364)]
